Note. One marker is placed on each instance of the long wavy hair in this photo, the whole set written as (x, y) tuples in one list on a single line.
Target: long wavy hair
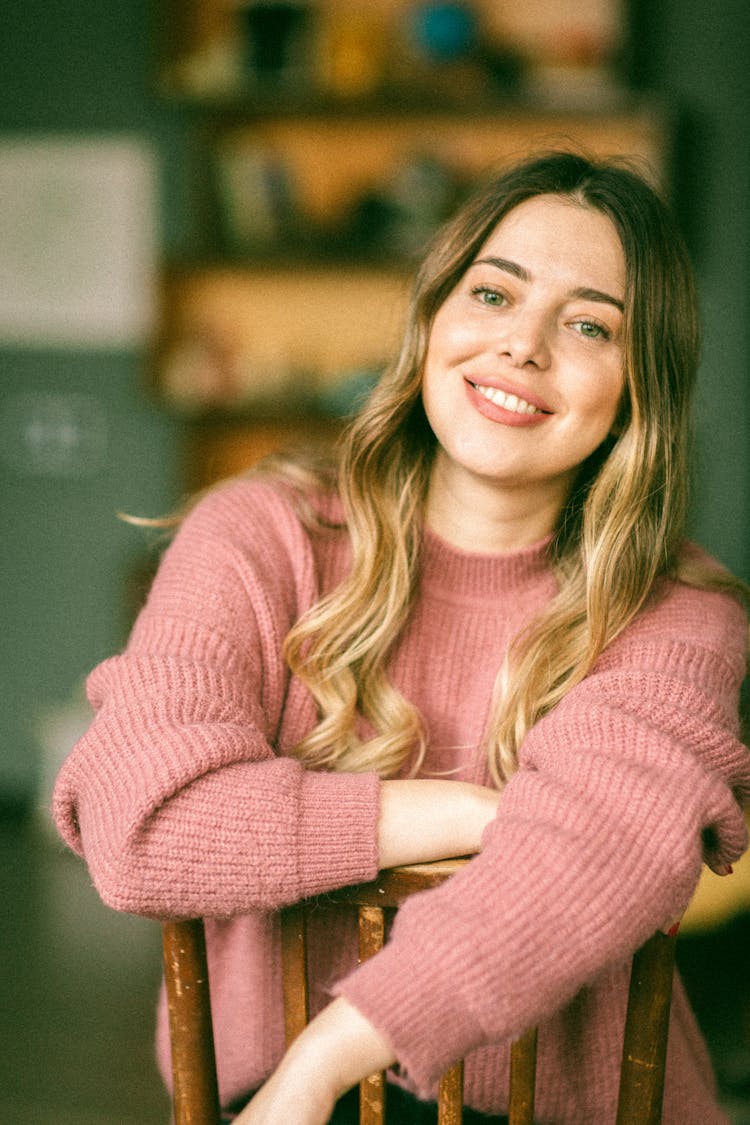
[(619, 531)]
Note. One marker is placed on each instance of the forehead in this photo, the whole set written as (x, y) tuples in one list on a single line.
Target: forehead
[(558, 236)]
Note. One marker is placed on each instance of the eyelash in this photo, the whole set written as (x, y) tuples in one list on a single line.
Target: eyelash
[(482, 291)]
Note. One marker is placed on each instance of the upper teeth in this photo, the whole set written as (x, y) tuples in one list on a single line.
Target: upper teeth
[(508, 402)]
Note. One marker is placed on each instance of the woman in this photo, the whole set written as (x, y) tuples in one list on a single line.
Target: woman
[(481, 633)]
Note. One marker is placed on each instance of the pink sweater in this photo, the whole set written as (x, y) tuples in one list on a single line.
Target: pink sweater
[(184, 801)]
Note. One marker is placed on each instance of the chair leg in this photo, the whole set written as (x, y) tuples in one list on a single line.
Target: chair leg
[(645, 1044), (522, 1079), (294, 960), (451, 1096), (371, 921), (196, 1092)]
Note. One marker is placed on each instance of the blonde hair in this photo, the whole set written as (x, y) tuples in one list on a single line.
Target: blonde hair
[(619, 532)]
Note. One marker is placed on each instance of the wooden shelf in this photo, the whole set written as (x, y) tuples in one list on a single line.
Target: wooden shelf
[(255, 104), (314, 199), (326, 190), (221, 448), (255, 341)]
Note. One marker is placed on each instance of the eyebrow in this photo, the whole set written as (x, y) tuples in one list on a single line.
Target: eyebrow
[(584, 292)]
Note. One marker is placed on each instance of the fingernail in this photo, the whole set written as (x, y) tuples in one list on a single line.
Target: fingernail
[(672, 931)]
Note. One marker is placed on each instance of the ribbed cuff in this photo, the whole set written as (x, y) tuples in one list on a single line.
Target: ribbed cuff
[(338, 830), (426, 1041)]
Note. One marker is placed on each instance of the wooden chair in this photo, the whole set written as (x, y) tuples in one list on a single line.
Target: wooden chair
[(196, 1100)]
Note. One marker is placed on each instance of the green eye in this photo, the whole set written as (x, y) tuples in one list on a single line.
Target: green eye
[(592, 330), (487, 295)]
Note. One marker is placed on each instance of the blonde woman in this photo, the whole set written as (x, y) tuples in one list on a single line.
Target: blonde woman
[(479, 632)]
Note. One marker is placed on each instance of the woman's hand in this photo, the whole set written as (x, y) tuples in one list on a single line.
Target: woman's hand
[(334, 1052), (424, 819)]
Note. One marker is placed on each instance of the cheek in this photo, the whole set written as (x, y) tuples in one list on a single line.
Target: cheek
[(439, 356), (439, 397), (452, 336), (602, 405), (431, 396)]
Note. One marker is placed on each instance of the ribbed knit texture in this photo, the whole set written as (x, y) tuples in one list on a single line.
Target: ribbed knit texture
[(183, 800)]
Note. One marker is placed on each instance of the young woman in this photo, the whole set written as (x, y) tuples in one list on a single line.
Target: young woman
[(479, 632)]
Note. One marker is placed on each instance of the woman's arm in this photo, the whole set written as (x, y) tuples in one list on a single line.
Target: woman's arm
[(181, 796), (423, 820), (624, 789), (177, 795), (335, 1051)]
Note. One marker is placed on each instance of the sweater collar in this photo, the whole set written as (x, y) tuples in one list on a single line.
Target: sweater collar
[(467, 573)]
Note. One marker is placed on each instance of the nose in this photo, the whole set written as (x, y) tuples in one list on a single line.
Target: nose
[(526, 338)]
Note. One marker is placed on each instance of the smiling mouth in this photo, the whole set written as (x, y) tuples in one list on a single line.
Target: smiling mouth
[(508, 402)]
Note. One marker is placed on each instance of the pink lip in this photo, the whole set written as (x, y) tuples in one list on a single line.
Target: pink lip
[(497, 413)]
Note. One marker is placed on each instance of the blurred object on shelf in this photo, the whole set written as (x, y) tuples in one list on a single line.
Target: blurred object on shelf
[(443, 32), (578, 69), (261, 211), (437, 50), (278, 37), (399, 215), (564, 54), (424, 192), (354, 51), (202, 48), (203, 371), (505, 68), (256, 197), (570, 52)]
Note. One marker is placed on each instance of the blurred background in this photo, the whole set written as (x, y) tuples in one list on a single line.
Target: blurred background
[(210, 211)]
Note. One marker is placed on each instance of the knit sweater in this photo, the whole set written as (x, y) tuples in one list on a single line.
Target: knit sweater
[(184, 800)]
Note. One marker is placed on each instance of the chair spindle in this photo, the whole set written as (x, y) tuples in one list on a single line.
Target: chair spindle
[(371, 924), (645, 1042), (522, 1079), (294, 977), (196, 1090)]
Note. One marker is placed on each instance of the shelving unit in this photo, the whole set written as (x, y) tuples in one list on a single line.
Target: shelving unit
[(324, 174)]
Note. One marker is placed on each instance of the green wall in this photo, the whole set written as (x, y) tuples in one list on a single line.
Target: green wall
[(76, 68), (85, 67), (696, 54)]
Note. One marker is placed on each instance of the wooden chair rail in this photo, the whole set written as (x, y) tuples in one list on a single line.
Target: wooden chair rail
[(196, 1099)]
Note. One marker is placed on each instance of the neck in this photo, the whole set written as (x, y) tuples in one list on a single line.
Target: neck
[(478, 515)]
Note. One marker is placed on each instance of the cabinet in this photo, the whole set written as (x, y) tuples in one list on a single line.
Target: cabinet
[(331, 139)]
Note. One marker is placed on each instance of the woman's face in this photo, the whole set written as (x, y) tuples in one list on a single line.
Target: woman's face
[(524, 365)]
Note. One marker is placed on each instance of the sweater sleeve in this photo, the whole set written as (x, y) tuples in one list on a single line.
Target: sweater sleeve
[(622, 791), (177, 796)]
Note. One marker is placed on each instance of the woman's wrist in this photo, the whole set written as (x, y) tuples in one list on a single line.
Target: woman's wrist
[(427, 819), (335, 1051), (340, 1047)]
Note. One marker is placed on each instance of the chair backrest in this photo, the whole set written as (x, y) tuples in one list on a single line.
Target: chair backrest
[(196, 1100)]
